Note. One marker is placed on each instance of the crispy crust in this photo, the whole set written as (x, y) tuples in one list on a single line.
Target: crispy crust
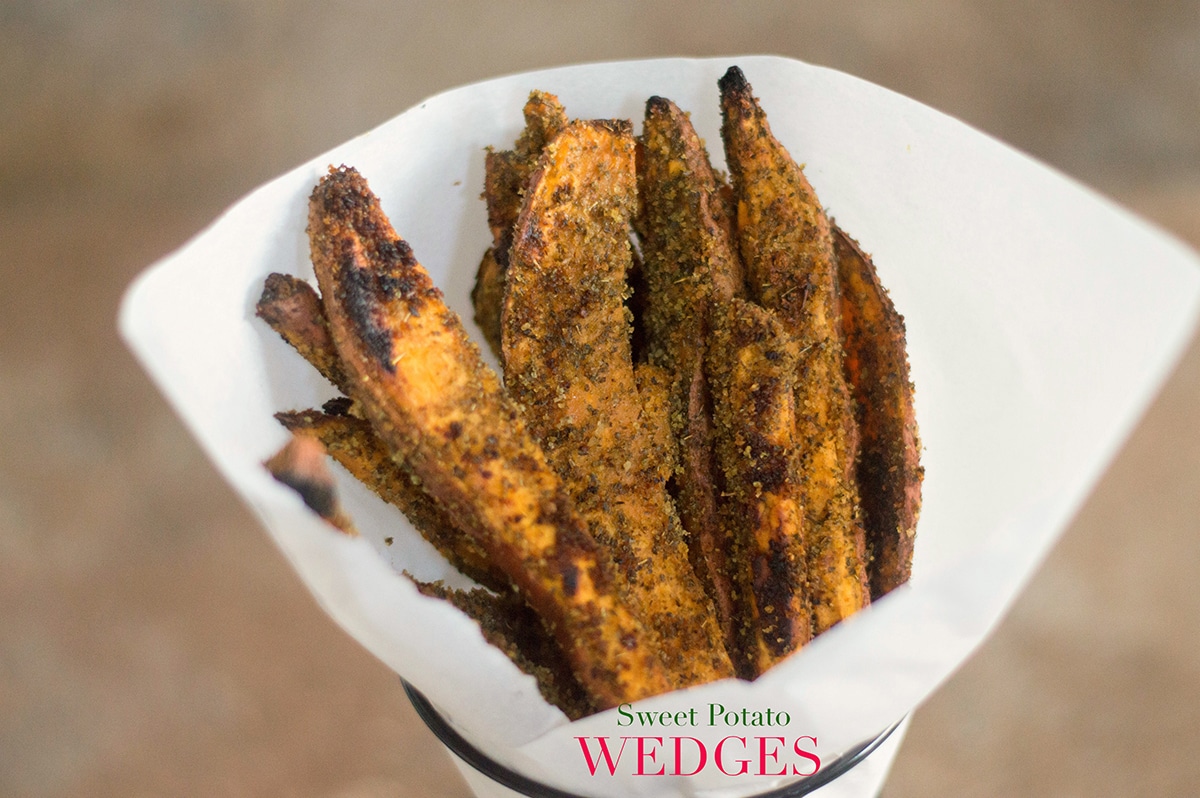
[(566, 343), (689, 263), (427, 393), (752, 368), (889, 464), (787, 249)]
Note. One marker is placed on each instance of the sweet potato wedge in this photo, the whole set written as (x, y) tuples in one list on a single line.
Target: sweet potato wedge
[(787, 249), (292, 308), (421, 383), (567, 356), (506, 175), (889, 461), (751, 365), (689, 264)]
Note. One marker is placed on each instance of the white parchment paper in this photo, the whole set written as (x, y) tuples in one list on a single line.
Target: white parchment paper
[(1041, 321)]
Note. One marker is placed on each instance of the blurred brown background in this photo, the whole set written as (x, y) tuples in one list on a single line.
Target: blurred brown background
[(153, 642)]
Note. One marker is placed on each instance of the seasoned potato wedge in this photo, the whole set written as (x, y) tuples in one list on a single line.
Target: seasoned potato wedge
[(689, 264), (752, 369), (787, 249), (293, 309), (506, 175), (422, 385), (568, 362), (889, 461)]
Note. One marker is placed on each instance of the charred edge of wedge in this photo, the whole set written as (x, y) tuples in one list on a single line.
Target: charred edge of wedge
[(889, 470), (300, 465), (422, 384), (292, 308), (352, 442)]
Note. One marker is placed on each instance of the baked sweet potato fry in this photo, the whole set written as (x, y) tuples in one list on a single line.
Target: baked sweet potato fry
[(423, 386), (683, 223), (689, 264), (506, 175), (889, 462), (293, 309), (751, 364), (787, 249), (567, 356)]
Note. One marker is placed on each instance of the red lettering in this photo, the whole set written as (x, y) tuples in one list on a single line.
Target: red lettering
[(721, 762), (609, 762), (679, 756), (763, 754), (811, 756), (643, 755)]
